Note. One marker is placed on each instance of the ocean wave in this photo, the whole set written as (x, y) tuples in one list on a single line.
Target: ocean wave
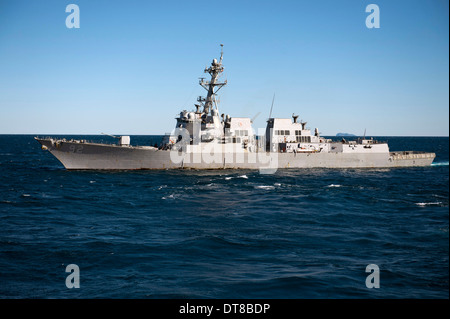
[(217, 234), (265, 186), (202, 241), (429, 204), (440, 164), (240, 176), (48, 196), (171, 196)]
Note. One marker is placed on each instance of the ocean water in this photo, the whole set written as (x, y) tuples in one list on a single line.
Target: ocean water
[(299, 233)]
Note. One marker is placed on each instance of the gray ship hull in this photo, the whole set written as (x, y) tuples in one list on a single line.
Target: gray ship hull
[(75, 155)]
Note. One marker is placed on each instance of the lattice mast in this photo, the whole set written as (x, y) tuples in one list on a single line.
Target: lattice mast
[(212, 86)]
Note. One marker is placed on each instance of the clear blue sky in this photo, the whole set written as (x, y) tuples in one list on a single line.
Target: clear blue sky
[(133, 65)]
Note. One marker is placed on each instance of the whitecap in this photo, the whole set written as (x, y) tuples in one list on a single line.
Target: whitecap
[(277, 184), (228, 178), (333, 185), (91, 182), (26, 195), (244, 176), (429, 204), (265, 187), (439, 164)]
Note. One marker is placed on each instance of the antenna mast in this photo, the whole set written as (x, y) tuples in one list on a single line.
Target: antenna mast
[(212, 86), (273, 99)]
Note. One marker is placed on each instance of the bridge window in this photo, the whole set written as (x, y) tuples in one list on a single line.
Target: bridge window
[(241, 132), (282, 132), (303, 139)]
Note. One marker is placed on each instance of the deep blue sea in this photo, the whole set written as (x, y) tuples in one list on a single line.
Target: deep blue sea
[(299, 233)]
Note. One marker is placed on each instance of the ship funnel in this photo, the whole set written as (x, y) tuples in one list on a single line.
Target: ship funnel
[(295, 117), (303, 125)]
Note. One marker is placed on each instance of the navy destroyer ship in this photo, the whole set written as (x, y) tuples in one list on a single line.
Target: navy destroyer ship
[(205, 139)]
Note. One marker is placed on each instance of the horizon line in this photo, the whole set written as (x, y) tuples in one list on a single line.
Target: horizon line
[(324, 135)]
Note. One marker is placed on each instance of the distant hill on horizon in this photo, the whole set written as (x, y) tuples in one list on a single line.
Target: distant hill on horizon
[(345, 134)]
